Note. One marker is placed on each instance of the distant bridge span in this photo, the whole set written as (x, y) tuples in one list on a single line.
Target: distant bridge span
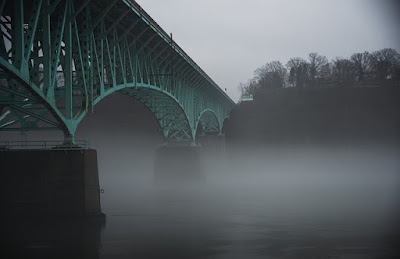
[(59, 58)]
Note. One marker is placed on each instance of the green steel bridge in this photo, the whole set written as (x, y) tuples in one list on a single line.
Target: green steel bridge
[(59, 58)]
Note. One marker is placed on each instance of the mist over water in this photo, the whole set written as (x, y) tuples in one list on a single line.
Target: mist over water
[(280, 202), (292, 201)]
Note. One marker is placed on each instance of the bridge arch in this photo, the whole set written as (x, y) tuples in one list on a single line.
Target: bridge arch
[(209, 122), (168, 111)]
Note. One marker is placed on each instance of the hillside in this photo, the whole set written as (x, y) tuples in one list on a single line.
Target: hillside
[(325, 116)]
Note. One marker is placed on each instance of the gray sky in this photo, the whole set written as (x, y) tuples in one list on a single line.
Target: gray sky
[(229, 39)]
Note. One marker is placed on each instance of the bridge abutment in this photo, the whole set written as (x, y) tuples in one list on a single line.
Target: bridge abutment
[(59, 183)]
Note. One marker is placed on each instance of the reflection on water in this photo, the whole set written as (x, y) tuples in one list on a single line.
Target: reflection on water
[(278, 203), (25, 237), (265, 204)]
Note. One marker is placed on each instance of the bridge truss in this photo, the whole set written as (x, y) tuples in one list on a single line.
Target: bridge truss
[(59, 58)]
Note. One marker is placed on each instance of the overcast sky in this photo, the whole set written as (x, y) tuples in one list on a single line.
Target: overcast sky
[(229, 39)]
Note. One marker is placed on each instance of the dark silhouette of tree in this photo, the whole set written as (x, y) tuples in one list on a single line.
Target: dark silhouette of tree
[(396, 70), (382, 67), (362, 65), (384, 63), (317, 65), (326, 71), (242, 87), (298, 72), (343, 71), (251, 87), (271, 75)]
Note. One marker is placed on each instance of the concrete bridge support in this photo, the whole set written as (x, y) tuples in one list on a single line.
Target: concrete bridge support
[(178, 164), (59, 183), (188, 163), (212, 143)]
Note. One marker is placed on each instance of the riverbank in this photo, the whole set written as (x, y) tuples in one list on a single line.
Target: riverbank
[(317, 117)]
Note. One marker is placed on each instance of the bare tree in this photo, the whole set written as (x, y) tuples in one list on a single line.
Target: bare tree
[(317, 63), (396, 70), (252, 86), (380, 65), (298, 72), (384, 63), (242, 88), (343, 71), (271, 75), (362, 65), (326, 72)]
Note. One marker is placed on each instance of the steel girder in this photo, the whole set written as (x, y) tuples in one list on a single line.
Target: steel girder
[(209, 123), (59, 58)]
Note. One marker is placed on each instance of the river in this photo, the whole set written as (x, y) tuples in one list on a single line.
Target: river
[(275, 203)]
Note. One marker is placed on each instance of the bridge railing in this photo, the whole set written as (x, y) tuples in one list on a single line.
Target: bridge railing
[(43, 145), (176, 46)]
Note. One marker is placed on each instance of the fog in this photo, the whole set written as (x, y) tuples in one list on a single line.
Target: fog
[(278, 201), (309, 168), (287, 203), (246, 201)]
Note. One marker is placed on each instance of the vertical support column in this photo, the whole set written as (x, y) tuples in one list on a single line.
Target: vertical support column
[(69, 139), (102, 67), (18, 39), (47, 52), (220, 133), (113, 60), (68, 72), (91, 73), (68, 64)]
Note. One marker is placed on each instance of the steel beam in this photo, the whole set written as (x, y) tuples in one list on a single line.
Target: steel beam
[(65, 60)]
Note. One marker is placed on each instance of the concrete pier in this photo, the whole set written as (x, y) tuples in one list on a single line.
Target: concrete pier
[(214, 143), (59, 183), (178, 164)]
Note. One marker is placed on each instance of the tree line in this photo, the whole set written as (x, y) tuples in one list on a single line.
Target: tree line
[(361, 69)]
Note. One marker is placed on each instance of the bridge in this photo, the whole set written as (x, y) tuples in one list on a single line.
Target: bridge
[(59, 58)]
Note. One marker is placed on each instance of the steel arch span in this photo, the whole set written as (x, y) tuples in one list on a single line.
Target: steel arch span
[(209, 122), (59, 58)]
